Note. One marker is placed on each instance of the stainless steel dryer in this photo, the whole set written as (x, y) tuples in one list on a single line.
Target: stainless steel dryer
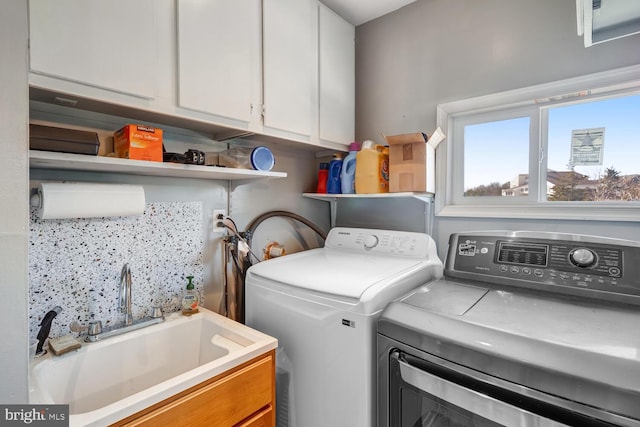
[(524, 329)]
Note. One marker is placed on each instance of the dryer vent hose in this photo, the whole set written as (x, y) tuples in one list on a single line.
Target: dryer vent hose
[(260, 218), (236, 307)]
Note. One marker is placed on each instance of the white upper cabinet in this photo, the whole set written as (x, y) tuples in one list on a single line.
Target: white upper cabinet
[(278, 68), (219, 58), (336, 58), (105, 44), (289, 60)]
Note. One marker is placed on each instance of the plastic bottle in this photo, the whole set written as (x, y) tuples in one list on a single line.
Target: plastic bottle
[(190, 299), (323, 175), (348, 176), (372, 169), (335, 169)]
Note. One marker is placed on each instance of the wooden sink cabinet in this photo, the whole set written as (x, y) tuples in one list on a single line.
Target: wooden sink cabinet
[(241, 397)]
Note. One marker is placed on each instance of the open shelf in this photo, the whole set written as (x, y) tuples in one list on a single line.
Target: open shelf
[(334, 198), (80, 162), (427, 197)]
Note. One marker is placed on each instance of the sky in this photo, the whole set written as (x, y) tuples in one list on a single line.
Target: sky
[(498, 151)]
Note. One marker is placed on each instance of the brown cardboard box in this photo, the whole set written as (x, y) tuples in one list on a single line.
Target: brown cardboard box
[(138, 142), (411, 163)]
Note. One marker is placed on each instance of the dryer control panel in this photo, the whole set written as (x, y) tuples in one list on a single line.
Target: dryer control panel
[(566, 263)]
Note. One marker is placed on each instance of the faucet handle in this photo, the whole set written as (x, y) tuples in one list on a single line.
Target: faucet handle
[(157, 312), (94, 328), (77, 328)]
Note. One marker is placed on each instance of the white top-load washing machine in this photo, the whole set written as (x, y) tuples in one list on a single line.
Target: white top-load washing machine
[(322, 305)]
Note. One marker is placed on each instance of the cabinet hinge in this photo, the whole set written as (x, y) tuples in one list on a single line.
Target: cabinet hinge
[(261, 111)]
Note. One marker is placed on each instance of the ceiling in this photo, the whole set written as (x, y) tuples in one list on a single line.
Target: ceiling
[(360, 11)]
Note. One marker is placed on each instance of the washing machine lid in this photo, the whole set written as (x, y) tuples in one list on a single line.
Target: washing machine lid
[(337, 272)]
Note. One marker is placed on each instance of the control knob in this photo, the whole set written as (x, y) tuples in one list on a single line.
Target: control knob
[(582, 257), (371, 241)]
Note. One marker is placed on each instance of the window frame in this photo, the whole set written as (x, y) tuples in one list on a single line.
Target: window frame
[(533, 102)]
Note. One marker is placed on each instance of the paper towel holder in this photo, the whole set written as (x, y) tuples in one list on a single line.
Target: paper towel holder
[(65, 200)]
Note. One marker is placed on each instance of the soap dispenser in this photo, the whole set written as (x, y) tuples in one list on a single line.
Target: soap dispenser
[(191, 299)]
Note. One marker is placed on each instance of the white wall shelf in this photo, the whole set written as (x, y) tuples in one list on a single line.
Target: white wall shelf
[(80, 162), (334, 198), (427, 197)]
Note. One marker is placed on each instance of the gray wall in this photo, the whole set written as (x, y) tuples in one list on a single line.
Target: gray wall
[(436, 51), (13, 201)]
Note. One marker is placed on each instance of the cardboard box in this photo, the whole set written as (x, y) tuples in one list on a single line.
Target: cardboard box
[(138, 142), (411, 163)]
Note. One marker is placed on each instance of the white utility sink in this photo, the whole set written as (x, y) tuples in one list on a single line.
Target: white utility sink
[(106, 381)]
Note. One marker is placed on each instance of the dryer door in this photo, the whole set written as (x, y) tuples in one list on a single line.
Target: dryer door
[(423, 393)]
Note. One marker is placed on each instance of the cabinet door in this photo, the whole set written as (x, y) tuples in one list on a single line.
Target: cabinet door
[(264, 418), (219, 57), (336, 58), (106, 44), (289, 75), (246, 394)]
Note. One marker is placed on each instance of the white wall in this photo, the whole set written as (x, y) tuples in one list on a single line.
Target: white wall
[(436, 51), (13, 201)]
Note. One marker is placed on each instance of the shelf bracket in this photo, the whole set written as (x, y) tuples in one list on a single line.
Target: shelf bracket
[(333, 206)]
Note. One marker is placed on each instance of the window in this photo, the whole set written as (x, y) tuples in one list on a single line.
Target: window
[(569, 149), (504, 144), (594, 150)]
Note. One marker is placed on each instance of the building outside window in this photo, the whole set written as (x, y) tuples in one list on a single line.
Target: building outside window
[(546, 150)]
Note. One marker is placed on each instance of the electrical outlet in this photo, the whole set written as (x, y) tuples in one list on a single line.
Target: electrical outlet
[(218, 216)]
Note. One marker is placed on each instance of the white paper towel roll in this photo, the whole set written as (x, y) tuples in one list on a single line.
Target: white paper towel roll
[(59, 200)]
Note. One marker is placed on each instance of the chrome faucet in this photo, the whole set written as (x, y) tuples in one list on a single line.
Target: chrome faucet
[(124, 295), (95, 331)]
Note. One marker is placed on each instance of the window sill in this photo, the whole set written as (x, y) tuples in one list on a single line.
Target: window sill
[(559, 211)]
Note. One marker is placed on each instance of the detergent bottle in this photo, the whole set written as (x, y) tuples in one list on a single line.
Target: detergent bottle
[(372, 169), (323, 176), (348, 176), (335, 170)]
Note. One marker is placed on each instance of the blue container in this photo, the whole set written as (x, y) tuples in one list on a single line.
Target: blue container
[(262, 159), (335, 170), (348, 176)]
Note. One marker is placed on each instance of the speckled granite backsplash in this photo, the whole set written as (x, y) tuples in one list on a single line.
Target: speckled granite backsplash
[(76, 263)]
